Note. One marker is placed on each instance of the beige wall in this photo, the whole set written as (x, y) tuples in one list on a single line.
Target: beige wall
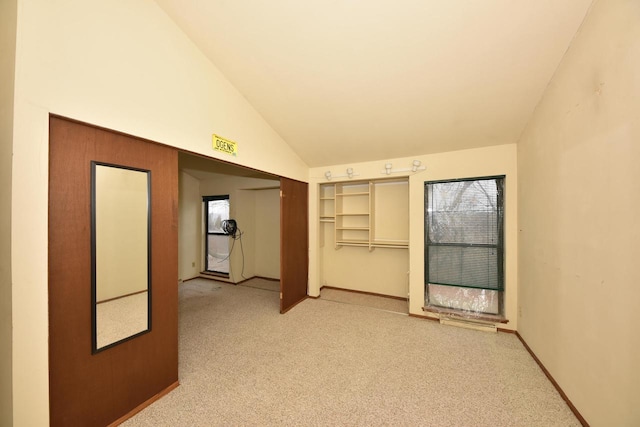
[(189, 227), (579, 204), (122, 65), (381, 271), (267, 229), (496, 160), (8, 11)]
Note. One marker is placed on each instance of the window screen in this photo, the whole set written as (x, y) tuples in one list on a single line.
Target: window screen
[(464, 233)]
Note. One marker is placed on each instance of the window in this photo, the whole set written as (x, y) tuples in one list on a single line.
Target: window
[(216, 210), (464, 245)]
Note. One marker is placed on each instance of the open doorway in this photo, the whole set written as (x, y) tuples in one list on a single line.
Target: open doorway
[(244, 236), (229, 221)]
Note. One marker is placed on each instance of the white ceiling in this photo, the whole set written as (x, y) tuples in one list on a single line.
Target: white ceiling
[(348, 81)]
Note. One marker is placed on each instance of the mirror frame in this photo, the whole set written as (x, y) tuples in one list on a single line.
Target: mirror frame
[(94, 326)]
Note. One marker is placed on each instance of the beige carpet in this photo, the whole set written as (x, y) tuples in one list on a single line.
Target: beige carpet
[(327, 363), (266, 284), (373, 301)]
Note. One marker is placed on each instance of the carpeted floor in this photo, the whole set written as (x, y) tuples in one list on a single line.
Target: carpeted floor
[(265, 284), (372, 301), (328, 363)]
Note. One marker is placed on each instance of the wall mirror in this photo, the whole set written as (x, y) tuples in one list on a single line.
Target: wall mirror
[(120, 253)]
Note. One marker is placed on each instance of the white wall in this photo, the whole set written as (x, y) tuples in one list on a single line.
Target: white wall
[(125, 66), (8, 11), (190, 260), (267, 229), (490, 161), (579, 203)]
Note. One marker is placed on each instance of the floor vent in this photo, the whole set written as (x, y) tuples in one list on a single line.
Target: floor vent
[(470, 324)]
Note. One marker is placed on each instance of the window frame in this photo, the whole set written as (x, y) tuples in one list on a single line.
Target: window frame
[(207, 233), (499, 246)]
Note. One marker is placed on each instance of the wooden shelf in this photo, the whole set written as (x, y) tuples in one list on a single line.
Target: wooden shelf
[(361, 193), (351, 207), (353, 242), (353, 214)]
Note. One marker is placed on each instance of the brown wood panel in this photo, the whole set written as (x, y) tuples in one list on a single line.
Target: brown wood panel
[(294, 242), (97, 389)]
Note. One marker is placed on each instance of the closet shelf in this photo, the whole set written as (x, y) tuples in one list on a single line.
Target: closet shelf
[(362, 193), (353, 242), (351, 208)]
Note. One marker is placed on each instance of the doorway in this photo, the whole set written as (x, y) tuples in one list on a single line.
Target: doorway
[(269, 220)]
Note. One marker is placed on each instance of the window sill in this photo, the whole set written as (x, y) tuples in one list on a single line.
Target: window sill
[(213, 273)]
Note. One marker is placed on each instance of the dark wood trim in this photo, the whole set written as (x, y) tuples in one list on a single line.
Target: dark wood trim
[(458, 314), (216, 274), (364, 293), (507, 331), (289, 308), (215, 278), (257, 277), (122, 296), (553, 381), (209, 276), (224, 276), (145, 404)]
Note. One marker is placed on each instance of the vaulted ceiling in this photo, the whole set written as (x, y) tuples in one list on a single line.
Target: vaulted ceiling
[(346, 81)]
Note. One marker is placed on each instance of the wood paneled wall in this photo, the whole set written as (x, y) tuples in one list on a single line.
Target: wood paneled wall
[(97, 389)]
